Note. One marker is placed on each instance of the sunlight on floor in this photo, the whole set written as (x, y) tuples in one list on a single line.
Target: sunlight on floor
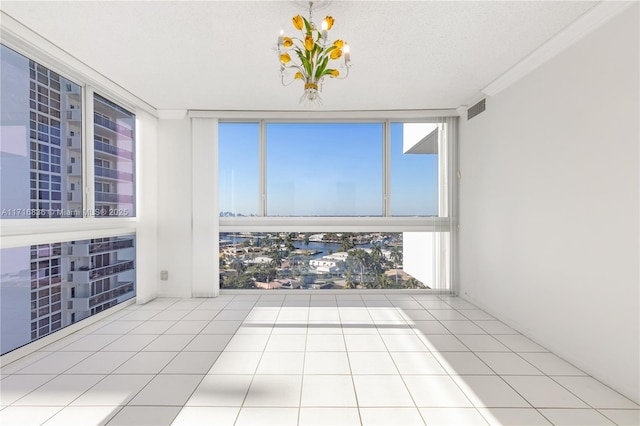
[(352, 359)]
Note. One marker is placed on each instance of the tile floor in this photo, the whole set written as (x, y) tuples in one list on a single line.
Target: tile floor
[(348, 359)]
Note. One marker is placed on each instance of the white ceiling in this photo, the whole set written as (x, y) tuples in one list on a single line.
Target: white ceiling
[(220, 54)]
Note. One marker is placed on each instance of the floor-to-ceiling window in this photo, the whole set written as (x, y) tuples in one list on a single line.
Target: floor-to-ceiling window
[(335, 205), (57, 264)]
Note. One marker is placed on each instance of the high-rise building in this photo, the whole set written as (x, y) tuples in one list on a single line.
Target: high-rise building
[(49, 286), (101, 275), (54, 114), (113, 142)]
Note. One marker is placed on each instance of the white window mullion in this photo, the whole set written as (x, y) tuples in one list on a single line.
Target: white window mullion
[(386, 168), (88, 177), (262, 158)]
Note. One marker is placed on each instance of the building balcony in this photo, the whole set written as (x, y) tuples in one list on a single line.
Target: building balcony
[(88, 275), (85, 250), (78, 304), (74, 142), (74, 114), (121, 289), (74, 196), (104, 172), (114, 127), (74, 169), (112, 150), (109, 197)]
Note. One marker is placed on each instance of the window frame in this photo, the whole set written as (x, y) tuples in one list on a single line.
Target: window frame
[(445, 224), (386, 222), (26, 231)]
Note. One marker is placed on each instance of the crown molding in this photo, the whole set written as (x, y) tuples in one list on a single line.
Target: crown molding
[(326, 115), (583, 26), (22, 39), (172, 114)]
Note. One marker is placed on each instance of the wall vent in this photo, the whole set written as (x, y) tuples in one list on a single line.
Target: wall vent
[(476, 109)]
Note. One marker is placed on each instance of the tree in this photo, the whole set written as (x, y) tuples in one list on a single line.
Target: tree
[(349, 282), (330, 237), (362, 260), (238, 265), (346, 243), (276, 260), (412, 283), (289, 242), (241, 281), (396, 258), (264, 273), (376, 259), (382, 281)]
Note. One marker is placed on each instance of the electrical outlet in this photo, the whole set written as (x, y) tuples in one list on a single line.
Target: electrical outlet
[(164, 275)]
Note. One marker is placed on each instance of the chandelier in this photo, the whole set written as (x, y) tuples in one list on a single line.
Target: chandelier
[(311, 56)]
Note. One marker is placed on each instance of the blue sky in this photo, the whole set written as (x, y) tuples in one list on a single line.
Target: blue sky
[(323, 169)]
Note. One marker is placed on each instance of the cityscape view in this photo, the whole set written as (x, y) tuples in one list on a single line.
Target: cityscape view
[(46, 287), (350, 260), (359, 169)]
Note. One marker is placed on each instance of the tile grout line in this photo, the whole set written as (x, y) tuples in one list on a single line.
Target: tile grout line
[(253, 376), (346, 350)]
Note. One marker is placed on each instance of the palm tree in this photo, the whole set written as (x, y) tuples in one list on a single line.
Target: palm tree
[(376, 258), (276, 259), (396, 258), (238, 265), (346, 243), (412, 283), (350, 283), (289, 242), (362, 259), (382, 281)]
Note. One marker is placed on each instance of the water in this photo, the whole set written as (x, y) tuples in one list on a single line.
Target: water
[(319, 248)]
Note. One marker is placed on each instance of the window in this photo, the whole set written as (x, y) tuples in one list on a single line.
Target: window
[(31, 274), (365, 205), (331, 260), (324, 169), (45, 286), (414, 182), (25, 151), (333, 169), (114, 159), (239, 169)]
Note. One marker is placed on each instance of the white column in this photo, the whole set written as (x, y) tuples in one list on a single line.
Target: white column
[(147, 273), (204, 172)]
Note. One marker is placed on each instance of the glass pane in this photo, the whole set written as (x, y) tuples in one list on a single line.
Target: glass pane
[(414, 169), (238, 169), (114, 159), (324, 169), (306, 260), (92, 275), (40, 143)]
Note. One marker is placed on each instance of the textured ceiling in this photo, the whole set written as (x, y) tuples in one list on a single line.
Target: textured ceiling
[(220, 54)]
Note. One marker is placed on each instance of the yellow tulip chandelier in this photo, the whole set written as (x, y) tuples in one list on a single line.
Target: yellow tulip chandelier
[(311, 57)]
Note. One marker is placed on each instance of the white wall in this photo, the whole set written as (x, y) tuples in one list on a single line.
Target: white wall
[(147, 207), (174, 207), (419, 257), (204, 205), (549, 205)]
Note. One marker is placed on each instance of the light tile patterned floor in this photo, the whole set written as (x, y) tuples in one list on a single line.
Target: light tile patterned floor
[(347, 359)]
